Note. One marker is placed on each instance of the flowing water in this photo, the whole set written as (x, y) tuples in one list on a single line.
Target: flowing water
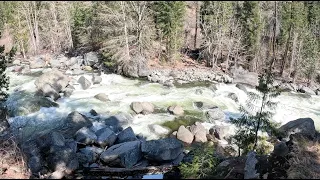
[(122, 91)]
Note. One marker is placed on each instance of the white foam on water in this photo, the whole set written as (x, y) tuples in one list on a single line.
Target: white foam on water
[(122, 91)]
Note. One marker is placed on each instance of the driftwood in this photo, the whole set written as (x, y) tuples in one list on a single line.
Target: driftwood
[(109, 171)]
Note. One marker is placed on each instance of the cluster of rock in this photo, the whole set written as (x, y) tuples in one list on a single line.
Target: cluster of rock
[(55, 84), (97, 144), (75, 65), (169, 77), (274, 165)]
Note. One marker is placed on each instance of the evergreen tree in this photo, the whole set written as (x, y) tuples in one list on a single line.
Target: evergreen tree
[(249, 17), (4, 80), (169, 16), (250, 123)]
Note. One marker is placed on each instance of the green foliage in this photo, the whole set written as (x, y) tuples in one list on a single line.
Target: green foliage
[(82, 21), (4, 80), (249, 16), (250, 123), (169, 17), (203, 163)]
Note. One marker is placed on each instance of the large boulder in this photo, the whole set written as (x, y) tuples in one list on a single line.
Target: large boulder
[(199, 132), (85, 83), (176, 110), (166, 149), (53, 138), (307, 90), (126, 136), (52, 82), (74, 122), (4, 125), (105, 137), (22, 103), (91, 58), (250, 171), (136, 67), (215, 114), (38, 62), (242, 87), (63, 159), (85, 136), (304, 126), (142, 107), (124, 154), (184, 135)]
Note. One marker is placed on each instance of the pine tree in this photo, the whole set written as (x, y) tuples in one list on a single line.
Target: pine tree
[(4, 80), (249, 17), (169, 20), (259, 119)]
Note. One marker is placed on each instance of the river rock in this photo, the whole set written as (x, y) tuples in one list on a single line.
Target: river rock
[(213, 87), (165, 149), (159, 130), (48, 91), (54, 79), (91, 58), (105, 137), (35, 163), (37, 62), (67, 92), (307, 90), (304, 126), (199, 132), (198, 104), (16, 62), (124, 154), (281, 149), (85, 83), (102, 97), (176, 110), (93, 112), (250, 171), (22, 103), (53, 138), (74, 122), (220, 131), (242, 87), (198, 91), (233, 96), (126, 135), (96, 125), (62, 159), (86, 136), (4, 125), (184, 135), (215, 114), (91, 153), (96, 79), (142, 107)]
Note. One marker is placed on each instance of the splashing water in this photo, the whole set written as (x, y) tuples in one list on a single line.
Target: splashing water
[(122, 91)]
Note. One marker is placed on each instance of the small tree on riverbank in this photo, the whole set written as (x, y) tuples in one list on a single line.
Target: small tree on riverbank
[(249, 124), (4, 80)]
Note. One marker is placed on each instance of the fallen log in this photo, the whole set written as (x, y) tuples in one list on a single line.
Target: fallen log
[(110, 171)]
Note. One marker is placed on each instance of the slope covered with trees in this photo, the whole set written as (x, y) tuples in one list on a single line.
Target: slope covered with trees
[(235, 32)]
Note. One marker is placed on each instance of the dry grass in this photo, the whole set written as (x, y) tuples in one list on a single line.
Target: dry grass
[(305, 163), (12, 163)]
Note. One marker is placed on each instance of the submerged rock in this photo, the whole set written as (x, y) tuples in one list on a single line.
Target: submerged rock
[(215, 114), (176, 110)]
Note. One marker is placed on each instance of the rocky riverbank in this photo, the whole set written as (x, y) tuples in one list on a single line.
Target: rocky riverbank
[(91, 62)]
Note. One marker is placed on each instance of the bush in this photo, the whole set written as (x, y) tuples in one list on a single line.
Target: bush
[(202, 165)]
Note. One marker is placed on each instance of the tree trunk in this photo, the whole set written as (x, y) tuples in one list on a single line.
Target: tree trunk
[(197, 22), (127, 51), (283, 63), (291, 62)]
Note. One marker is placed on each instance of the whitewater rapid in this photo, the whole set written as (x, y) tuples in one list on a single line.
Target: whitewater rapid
[(122, 91)]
